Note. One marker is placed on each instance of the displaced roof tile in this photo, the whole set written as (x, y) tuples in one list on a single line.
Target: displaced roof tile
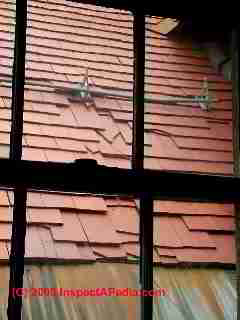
[(99, 228), (125, 219), (109, 251), (188, 238), (71, 229)]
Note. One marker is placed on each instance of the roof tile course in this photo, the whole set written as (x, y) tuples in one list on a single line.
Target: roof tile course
[(5, 231), (46, 216), (62, 41), (5, 214), (211, 223), (70, 251)]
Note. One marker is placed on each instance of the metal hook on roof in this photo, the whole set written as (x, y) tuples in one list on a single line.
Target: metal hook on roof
[(205, 95), (83, 90)]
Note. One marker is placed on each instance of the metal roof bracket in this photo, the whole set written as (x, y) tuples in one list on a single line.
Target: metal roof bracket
[(205, 95), (86, 93), (83, 92)]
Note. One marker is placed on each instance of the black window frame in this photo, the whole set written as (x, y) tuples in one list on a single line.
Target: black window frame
[(88, 176)]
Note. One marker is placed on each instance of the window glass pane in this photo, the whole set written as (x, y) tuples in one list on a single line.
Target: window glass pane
[(73, 47), (186, 135), (7, 29), (80, 242), (194, 260)]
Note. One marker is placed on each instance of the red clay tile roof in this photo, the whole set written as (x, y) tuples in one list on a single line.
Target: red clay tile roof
[(63, 39)]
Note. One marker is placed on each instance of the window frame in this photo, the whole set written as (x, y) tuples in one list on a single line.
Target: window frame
[(22, 175)]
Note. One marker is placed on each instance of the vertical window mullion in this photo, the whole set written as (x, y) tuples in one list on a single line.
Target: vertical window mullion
[(138, 91), (146, 261), (20, 193), (146, 200), (18, 80)]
